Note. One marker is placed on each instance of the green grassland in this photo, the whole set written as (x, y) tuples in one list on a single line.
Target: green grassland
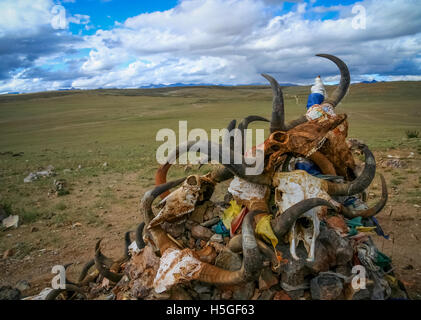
[(71, 128)]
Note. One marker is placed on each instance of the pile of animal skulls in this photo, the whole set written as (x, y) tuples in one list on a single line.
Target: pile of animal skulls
[(177, 255)]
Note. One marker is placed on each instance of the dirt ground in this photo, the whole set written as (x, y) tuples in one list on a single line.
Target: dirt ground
[(74, 242)]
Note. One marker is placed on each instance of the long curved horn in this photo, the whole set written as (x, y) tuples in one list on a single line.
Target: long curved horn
[(244, 125), (85, 270), (283, 223), (277, 122), (101, 266), (127, 243), (236, 245), (361, 182), (371, 212), (139, 236), (252, 260), (215, 152), (343, 86), (53, 294)]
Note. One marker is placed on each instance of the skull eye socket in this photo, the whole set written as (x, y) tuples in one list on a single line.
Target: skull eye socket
[(305, 222), (280, 137), (192, 181)]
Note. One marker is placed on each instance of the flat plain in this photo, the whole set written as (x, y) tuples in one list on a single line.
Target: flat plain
[(103, 143)]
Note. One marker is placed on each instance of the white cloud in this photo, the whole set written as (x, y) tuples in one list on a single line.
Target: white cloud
[(233, 41)]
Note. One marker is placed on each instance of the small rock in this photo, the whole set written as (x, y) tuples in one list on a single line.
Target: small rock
[(267, 279), (408, 267), (11, 222), (217, 238), (9, 293), (281, 295), (244, 292), (326, 287), (105, 164), (267, 295), (199, 212), (174, 229), (75, 225), (79, 166), (200, 232), (8, 253), (34, 229), (210, 222), (228, 260), (226, 295), (23, 285)]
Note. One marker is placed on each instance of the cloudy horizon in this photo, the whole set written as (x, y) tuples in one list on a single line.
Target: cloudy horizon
[(87, 44)]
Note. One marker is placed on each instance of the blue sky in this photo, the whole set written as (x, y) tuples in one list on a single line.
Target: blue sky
[(57, 44)]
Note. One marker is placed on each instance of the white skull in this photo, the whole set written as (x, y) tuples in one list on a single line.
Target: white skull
[(179, 202), (291, 188)]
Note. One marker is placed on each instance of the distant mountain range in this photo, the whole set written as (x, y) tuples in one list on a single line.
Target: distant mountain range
[(179, 84)]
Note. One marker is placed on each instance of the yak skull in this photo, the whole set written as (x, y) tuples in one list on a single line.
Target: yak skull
[(182, 201), (291, 188)]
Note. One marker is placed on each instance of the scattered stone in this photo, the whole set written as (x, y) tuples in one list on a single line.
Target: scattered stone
[(178, 293), (76, 224), (217, 238), (23, 285), (9, 293), (11, 222), (79, 166), (105, 164), (34, 229), (174, 229), (210, 222), (267, 279), (8, 253), (326, 287), (213, 212), (281, 295), (244, 292), (200, 232), (394, 163), (18, 154), (267, 295), (228, 260), (199, 212), (226, 295), (49, 171), (408, 267)]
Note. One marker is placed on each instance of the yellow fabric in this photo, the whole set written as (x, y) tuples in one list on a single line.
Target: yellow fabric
[(230, 213), (264, 230), (365, 229)]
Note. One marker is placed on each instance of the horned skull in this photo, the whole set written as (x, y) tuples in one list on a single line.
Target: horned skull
[(183, 200)]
